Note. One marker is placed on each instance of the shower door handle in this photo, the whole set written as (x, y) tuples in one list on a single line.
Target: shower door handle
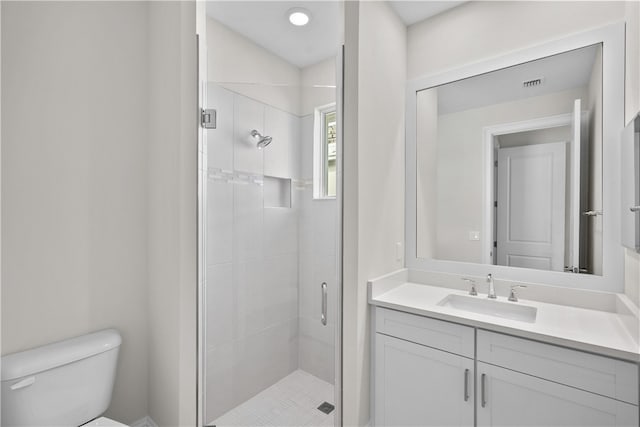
[(323, 315)]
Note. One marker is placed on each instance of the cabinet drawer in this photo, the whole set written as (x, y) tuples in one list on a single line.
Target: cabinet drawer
[(433, 333), (597, 374)]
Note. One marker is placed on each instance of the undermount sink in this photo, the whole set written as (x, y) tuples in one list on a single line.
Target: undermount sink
[(480, 305)]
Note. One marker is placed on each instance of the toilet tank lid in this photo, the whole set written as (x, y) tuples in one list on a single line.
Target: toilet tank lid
[(39, 359)]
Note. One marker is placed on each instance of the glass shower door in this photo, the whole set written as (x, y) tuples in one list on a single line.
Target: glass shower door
[(270, 301)]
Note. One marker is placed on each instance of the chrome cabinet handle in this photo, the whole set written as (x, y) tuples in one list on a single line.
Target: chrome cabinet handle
[(466, 385), (634, 208), (483, 392), (323, 315)]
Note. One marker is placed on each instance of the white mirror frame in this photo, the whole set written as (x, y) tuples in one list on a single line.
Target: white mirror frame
[(612, 38)]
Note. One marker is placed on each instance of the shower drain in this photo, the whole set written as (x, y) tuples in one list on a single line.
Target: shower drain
[(326, 407)]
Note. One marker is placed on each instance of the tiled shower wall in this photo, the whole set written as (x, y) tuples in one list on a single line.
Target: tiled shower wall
[(252, 276), (265, 264)]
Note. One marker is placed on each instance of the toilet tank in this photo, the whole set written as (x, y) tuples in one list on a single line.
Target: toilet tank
[(67, 383)]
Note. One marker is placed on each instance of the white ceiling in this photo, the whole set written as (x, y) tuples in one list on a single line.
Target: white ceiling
[(559, 72), (266, 24), (415, 11)]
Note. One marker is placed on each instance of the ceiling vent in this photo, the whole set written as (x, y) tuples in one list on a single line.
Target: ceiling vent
[(532, 83)]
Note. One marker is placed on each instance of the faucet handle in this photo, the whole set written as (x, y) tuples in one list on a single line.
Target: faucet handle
[(472, 283), (512, 294)]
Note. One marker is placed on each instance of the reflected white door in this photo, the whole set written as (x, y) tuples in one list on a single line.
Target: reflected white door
[(531, 206)]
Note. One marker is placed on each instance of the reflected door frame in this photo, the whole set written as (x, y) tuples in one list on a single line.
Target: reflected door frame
[(489, 146)]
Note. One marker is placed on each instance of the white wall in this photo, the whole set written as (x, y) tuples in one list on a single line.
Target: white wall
[(242, 66), (102, 190), (476, 31), (373, 180), (318, 82), (74, 165), (171, 226)]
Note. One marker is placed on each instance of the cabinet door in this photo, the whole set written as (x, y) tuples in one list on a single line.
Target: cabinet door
[(420, 386), (509, 398)]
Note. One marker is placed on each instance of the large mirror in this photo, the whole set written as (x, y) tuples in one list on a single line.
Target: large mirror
[(511, 164)]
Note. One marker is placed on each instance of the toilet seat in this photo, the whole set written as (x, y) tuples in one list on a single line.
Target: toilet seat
[(104, 422)]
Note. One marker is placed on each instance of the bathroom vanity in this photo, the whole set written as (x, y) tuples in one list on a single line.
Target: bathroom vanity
[(512, 172), (491, 363)]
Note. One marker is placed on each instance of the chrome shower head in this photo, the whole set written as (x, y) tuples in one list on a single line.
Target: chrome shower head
[(263, 141)]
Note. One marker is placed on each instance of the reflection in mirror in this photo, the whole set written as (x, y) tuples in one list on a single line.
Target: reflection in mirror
[(509, 166)]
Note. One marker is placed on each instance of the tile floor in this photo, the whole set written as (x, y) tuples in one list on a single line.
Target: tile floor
[(292, 401)]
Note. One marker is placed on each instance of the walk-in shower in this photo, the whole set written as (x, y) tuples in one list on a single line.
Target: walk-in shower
[(271, 217)]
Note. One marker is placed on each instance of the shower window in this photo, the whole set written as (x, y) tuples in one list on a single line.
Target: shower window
[(324, 171)]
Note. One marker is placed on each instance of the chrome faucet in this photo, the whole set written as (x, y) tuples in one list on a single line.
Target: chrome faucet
[(512, 295), (472, 283), (492, 291)]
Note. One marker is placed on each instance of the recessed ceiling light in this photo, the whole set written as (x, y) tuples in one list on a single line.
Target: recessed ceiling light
[(299, 16)]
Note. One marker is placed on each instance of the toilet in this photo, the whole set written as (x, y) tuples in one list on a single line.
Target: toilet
[(67, 383)]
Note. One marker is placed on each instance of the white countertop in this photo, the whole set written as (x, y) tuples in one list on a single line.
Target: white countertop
[(601, 332)]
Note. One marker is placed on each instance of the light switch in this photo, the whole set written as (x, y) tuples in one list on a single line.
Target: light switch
[(474, 235), (399, 253)]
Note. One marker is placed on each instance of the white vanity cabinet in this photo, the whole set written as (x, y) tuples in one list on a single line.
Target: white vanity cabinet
[(424, 371), (512, 399), (429, 372), (419, 386), (524, 383)]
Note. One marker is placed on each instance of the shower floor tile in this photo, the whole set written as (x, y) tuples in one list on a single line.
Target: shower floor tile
[(292, 401)]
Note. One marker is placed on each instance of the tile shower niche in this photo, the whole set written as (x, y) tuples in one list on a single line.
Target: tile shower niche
[(277, 192)]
